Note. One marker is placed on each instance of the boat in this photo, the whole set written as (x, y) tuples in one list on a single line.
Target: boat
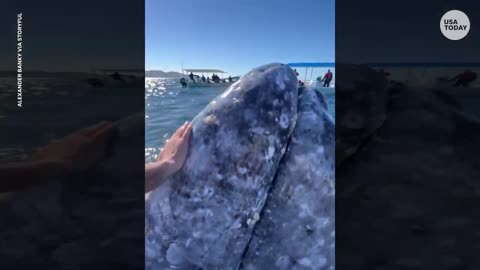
[(124, 78), (197, 81), (317, 82), (427, 74)]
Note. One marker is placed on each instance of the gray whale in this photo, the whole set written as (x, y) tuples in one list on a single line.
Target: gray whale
[(203, 216), (297, 225)]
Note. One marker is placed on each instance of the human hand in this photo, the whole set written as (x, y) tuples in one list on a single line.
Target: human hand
[(80, 150), (175, 151), (170, 159)]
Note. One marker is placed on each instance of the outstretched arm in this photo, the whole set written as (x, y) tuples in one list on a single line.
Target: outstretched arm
[(74, 153), (170, 159)]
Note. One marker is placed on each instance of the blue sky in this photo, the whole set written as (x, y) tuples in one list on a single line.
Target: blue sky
[(237, 35)]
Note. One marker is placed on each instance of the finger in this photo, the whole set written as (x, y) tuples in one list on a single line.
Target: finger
[(185, 140), (187, 132), (105, 134), (186, 125), (92, 129), (180, 130)]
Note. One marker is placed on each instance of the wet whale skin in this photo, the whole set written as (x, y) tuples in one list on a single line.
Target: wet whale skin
[(203, 216), (297, 226)]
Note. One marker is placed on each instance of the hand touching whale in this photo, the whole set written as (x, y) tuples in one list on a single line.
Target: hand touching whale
[(170, 159)]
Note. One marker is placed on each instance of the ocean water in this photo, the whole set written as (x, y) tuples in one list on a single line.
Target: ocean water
[(51, 109), (168, 106)]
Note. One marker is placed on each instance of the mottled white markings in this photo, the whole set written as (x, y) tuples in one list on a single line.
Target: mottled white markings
[(233, 157), (174, 254), (279, 80), (242, 170), (305, 262), (211, 119), (259, 130), (271, 151), (284, 121), (232, 87)]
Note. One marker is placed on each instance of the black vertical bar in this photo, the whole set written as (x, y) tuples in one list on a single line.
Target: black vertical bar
[(79, 202), (407, 154)]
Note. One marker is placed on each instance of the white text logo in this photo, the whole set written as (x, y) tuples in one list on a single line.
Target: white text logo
[(455, 25)]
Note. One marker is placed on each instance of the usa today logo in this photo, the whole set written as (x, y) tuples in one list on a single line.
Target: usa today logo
[(455, 25)]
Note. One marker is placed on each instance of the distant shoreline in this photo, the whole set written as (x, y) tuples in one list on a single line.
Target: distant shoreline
[(163, 74)]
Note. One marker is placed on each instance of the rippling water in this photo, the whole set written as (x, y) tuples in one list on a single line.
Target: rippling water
[(52, 108), (168, 106)]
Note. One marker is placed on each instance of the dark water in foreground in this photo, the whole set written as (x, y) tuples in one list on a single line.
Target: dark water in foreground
[(53, 108)]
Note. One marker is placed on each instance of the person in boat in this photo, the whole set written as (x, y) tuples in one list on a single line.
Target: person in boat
[(230, 78), (327, 78), (183, 82), (295, 70), (192, 77), (300, 83), (465, 78), (203, 78), (384, 73), (116, 76)]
